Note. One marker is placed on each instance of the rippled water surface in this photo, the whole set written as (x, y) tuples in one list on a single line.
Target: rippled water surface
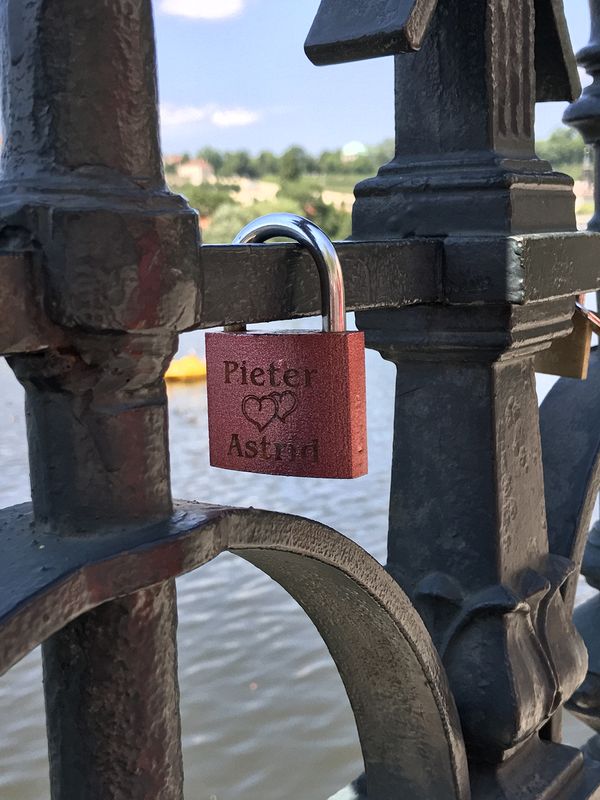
[(265, 715)]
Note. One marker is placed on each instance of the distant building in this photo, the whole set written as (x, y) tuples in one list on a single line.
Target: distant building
[(352, 151), (173, 160), (197, 171)]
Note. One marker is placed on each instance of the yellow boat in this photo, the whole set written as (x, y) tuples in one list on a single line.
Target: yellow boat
[(188, 369)]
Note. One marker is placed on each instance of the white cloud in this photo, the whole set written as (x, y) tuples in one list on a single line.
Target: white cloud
[(175, 116), (182, 115), (203, 9), (234, 117)]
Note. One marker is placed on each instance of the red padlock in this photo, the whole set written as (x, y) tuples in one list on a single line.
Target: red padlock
[(290, 402)]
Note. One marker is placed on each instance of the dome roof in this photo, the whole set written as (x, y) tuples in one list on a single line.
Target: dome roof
[(353, 149)]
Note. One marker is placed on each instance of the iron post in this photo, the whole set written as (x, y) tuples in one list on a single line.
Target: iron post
[(467, 266), (83, 191), (468, 538)]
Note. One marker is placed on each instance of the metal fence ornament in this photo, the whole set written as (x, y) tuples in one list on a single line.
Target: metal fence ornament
[(352, 31), (463, 265), (290, 402)]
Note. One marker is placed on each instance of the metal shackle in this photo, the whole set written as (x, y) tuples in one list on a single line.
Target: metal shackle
[(309, 235)]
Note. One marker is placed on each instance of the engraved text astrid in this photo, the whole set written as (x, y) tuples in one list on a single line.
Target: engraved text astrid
[(264, 411)]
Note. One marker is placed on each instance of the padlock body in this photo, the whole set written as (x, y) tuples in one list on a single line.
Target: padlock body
[(287, 403), (569, 356)]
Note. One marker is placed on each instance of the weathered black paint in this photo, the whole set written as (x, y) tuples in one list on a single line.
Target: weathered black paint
[(350, 31), (387, 274), (345, 31), (124, 740), (555, 69), (113, 258), (391, 274), (465, 159), (468, 537), (570, 431), (87, 419), (386, 659), (81, 168), (463, 264)]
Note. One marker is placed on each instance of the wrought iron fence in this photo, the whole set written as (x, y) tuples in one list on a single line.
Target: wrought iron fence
[(464, 264)]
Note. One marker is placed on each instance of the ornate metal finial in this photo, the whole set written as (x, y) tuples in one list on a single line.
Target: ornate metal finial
[(353, 30), (584, 113), (556, 71), (487, 65)]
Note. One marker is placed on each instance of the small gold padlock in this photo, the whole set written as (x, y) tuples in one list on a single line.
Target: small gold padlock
[(569, 357)]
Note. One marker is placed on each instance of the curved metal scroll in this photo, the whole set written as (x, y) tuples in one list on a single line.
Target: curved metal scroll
[(570, 429), (405, 715)]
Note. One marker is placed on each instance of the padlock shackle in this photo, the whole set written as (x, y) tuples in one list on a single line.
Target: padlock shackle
[(322, 250)]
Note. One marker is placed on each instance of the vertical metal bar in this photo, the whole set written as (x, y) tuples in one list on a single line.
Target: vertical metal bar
[(82, 176), (99, 461), (112, 702), (468, 538), (93, 66)]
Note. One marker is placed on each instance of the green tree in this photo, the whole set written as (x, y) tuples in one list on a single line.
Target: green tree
[(208, 197), (306, 194), (336, 222), (383, 153), (365, 164), (330, 162), (564, 147), (229, 219), (267, 163), (213, 156), (305, 190), (294, 163), (239, 163)]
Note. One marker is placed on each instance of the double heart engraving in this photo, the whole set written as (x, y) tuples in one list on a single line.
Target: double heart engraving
[(262, 411)]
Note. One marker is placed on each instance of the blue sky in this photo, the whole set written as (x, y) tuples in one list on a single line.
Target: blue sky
[(233, 75)]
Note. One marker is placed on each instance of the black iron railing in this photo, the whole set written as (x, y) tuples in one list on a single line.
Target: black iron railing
[(464, 264)]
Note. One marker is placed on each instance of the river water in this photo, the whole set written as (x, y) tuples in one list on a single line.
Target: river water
[(265, 716)]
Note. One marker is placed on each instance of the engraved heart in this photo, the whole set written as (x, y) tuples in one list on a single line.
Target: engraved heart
[(287, 403), (260, 411)]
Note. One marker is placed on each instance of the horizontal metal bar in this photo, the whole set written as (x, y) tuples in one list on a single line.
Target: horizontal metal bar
[(564, 264), (261, 283), (520, 269)]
